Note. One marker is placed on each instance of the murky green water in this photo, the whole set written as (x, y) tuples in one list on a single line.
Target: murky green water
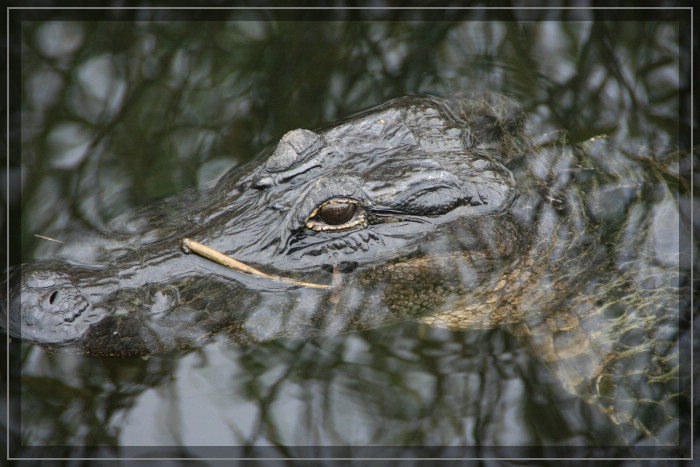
[(118, 114)]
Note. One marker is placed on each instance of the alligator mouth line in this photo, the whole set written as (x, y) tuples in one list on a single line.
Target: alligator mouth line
[(191, 246)]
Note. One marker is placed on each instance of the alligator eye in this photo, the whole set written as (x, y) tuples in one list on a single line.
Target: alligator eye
[(337, 214)]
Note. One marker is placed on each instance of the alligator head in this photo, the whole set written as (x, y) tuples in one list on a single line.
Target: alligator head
[(404, 209)]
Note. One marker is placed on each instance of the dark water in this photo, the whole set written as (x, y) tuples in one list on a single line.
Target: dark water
[(118, 114)]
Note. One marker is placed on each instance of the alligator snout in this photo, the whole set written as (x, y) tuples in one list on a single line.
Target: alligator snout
[(45, 306)]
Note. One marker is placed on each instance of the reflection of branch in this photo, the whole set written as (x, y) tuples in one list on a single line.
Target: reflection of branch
[(265, 426), (130, 100)]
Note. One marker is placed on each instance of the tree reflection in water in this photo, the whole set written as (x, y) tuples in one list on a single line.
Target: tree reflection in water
[(118, 114)]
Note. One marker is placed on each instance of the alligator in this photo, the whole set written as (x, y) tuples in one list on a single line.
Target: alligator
[(439, 210)]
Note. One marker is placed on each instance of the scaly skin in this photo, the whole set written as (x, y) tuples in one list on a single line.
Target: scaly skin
[(448, 216)]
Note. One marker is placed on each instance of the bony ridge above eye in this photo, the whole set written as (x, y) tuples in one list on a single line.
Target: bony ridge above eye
[(337, 214)]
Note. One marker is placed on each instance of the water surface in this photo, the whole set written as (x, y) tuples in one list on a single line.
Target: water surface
[(118, 114)]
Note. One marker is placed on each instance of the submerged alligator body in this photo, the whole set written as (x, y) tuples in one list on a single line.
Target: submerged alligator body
[(438, 210)]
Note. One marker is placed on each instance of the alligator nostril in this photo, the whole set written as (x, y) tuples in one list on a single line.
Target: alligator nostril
[(53, 297)]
